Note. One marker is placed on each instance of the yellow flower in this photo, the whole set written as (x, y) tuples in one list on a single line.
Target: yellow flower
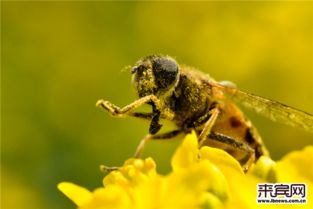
[(200, 178)]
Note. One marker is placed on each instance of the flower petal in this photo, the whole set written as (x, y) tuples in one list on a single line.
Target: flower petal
[(296, 166), (77, 194), (110, 197), (197, 179), (224, 161), (187, 153)]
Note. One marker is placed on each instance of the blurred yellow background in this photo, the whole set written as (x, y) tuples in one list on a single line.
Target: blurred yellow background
[(59, 58)]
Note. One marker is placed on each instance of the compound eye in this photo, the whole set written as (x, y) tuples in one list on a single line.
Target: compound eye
[(165, 71)]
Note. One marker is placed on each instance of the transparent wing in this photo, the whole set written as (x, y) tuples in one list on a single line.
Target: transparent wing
[(271, 109)]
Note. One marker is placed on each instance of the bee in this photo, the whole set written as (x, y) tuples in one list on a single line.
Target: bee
[(193, 100)]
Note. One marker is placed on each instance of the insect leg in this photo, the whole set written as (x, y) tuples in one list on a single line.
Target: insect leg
[(155, 126), (231, 141), (249, 162), (202, 119), (121, 112), (164, 136), (142, 115), (208, 125), (107, 169), (236, 144)]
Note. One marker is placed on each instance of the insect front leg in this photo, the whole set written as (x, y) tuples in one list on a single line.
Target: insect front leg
[(128, 109), (164, 136), (155, 126), (141, 115)]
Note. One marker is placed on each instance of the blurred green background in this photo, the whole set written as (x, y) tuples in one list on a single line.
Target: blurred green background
[(59, 58)]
